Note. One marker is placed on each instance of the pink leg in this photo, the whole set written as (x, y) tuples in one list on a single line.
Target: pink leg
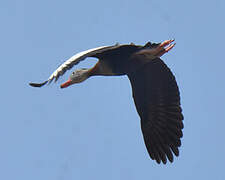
[(164, 47), (166, 42), (161, 49)]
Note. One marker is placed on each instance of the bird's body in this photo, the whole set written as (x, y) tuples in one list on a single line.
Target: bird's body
[(115, 62), (155, 90)]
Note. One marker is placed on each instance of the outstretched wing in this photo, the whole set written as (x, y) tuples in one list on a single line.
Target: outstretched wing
[(73, 61), (157, 101)]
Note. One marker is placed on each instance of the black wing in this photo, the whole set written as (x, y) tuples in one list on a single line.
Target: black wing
[(157, 100)]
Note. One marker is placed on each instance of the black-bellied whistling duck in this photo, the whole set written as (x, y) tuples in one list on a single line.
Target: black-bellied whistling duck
[(155, 91)]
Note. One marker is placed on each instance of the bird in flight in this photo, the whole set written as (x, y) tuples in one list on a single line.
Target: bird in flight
[(155, 91)]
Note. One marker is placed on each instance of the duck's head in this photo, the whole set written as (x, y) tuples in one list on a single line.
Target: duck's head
[(77, 76)]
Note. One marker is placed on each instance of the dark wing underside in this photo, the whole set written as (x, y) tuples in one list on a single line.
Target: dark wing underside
[(157, 101)]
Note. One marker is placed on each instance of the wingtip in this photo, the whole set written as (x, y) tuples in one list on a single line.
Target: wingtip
[(38, 84)]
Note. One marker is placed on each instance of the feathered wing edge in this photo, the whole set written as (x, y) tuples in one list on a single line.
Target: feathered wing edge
[(73, 61), (157, 99)]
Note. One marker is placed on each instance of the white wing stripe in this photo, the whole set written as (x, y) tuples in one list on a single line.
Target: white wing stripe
[(73, 61)]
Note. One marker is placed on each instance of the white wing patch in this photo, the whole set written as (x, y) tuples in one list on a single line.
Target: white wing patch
[(71, 62)]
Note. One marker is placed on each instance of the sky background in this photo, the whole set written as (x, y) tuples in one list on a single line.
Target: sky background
[(92, 130)]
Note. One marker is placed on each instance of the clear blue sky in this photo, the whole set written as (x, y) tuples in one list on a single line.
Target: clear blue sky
[(92, 130)]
